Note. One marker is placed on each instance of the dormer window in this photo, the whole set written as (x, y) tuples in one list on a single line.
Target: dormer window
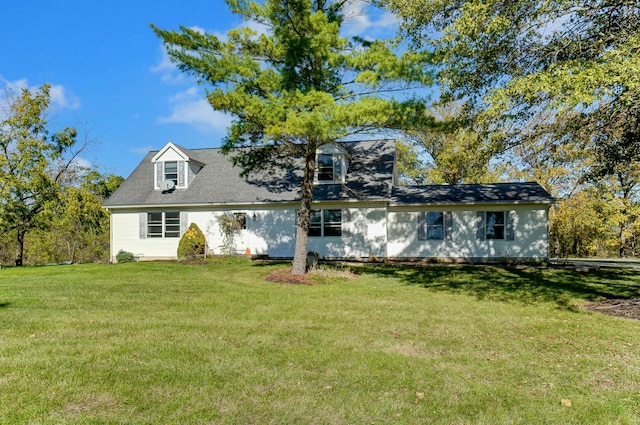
[(331, 165), (171, 171), (326, 169), (174, 167)]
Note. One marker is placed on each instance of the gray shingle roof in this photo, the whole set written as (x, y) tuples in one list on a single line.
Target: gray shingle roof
[(471, 194), (370, 177)]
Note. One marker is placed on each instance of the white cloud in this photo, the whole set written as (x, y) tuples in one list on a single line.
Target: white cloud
[(185, 96), (61, 98), (15, 86), (361, 20), (143, 150), (259, 28), (82, 162), (169, 72), (191, 108), (197, 29)]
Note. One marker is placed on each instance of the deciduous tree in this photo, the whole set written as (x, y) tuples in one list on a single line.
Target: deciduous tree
[(448, 151), (549, 73), (30, 169)]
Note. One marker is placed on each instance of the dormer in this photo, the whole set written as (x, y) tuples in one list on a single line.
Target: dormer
[(174, 168), (331, 165)]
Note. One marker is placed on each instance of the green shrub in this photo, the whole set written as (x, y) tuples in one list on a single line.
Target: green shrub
[(192, 243), (125, 257)]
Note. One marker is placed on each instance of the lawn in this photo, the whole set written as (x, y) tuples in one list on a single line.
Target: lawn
[(166, 343)]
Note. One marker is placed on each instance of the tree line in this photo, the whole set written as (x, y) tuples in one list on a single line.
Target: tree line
[(523, 90), (543, 91), (50, 205)]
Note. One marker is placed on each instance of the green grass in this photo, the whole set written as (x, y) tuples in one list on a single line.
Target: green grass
[(165, 343)]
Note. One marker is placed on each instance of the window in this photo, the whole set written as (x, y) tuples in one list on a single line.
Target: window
[(241, 220), (325, 168), (495, 225), (498, 225), (331, 165), (435, 225), (171, 171), (172, 224), (163, 224), (325, 223), (154, 225)]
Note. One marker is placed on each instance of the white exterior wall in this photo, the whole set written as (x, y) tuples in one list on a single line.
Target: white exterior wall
[(171, 155), (125, 235), (366, 232), (530, 235), (269, 232)]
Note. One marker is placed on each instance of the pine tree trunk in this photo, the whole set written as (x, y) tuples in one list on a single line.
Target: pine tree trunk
[(302, 217)]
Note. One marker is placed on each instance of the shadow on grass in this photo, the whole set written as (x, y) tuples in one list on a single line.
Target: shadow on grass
[(269, 263), (4, 305), (526, 285)]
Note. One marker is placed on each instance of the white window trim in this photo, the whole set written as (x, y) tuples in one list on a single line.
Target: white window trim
[(447, 226), (164, 171), (181, 177), (509, 225), (337, 155), (163, 224), (324, 224)]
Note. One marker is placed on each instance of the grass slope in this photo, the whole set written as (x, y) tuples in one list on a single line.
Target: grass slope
[(150, 343)]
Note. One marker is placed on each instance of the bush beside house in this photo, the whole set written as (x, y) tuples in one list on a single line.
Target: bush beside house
[(192, 243)]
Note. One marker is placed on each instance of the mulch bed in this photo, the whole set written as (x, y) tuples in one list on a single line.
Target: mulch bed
[(629, 308), (285, 276)]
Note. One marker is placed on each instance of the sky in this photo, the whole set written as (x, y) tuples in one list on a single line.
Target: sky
[(111, 78)]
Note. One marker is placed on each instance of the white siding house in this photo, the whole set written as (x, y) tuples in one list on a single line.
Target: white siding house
[(359, 211)]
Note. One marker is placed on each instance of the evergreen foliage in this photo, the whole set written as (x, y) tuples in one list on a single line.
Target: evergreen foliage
[(125, 257), (297, 86), (192, 243)]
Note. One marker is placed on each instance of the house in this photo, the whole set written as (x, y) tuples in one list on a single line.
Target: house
[(359, 211)]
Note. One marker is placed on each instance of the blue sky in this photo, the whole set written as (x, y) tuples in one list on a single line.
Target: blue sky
[(110, 75)]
